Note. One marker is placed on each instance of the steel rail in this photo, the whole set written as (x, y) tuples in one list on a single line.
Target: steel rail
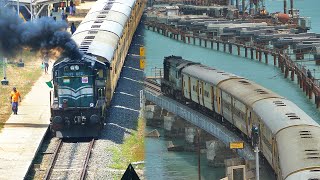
[(152, 85), (53, 160), (86, 162)]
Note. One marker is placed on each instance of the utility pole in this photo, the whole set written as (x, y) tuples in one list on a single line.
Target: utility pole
[(285, 6), (4, 67), (18, 10), (199, 171), (4, 81), (31, 10), (255, 141)]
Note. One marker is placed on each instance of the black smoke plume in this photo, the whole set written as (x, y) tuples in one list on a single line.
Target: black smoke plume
[(43, 33)]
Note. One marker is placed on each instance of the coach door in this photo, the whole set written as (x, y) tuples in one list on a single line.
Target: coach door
[(183, 85), (212, 97), (189, 86), (218, 100), (201, 101), (249, 121)]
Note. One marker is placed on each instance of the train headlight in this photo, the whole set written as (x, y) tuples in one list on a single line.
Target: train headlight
[(72, 68), (76, 67), (91, 104)]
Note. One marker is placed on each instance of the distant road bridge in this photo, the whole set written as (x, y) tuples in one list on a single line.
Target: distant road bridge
[(152, 93)]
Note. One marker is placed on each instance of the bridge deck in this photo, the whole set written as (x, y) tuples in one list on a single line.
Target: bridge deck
[(200, 120)]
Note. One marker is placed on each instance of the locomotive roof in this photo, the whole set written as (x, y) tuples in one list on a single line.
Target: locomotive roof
[(208, 74), (85, 58), (299, 149), (178, 61), (280, 113), (246, 91)]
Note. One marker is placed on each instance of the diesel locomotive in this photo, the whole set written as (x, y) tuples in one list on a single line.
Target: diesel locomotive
[(289, 139), (83, 87)]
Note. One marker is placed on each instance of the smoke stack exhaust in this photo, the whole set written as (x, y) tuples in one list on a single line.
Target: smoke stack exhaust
[(43, 33)]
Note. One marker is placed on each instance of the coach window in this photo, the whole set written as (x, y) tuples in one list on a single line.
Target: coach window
[(206, 93)]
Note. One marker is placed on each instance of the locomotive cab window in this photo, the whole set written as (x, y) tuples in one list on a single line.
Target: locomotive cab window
[(100, 73)]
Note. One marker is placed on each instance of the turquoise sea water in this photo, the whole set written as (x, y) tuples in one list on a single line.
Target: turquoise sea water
[(164, 165)]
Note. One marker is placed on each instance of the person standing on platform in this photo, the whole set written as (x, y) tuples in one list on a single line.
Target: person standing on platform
[(73, 28), (63, 15), (71, 7), (74, 9), (14, 97), (46, 63)]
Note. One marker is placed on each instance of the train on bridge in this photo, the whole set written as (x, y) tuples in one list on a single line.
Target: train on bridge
[(83, 88), (289, 139)]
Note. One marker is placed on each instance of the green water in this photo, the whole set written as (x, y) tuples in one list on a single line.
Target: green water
[(161, 164)]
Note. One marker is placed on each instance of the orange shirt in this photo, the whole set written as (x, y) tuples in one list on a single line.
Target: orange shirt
[(15, 96)]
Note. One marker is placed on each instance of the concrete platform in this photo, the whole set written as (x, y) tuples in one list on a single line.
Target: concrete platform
[(22, 134)]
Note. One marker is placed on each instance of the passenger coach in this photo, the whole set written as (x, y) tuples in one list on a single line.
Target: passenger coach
[(289, 138), (83, 88)]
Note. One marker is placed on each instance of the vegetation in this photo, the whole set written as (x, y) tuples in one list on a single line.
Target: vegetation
[(21, 78), (132, 150)]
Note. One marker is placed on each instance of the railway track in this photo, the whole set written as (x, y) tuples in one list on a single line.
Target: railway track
[(70, 160), (152, 85)]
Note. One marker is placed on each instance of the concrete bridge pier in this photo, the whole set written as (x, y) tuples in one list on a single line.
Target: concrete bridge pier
[(286, 72), (152, 113), (217, 153), (274, 59), (260, 55), (168, 121), (266, 57), (292, 74), (246, 52), (211, 152), (251, 51), (230, 48), (317, 100), (190, 138)]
